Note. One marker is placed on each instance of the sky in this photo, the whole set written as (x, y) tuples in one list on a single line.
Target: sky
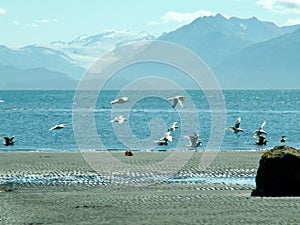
[(43, 21)]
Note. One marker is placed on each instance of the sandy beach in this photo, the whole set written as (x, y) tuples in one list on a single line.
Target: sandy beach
[(62, 188)]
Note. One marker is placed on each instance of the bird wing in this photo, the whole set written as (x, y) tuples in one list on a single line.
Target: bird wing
[(113, 120), (262, 125), (196, 135), (121, 119), (124, 99), (231, 128), (5, 139), (53, 128), (238, 121), (193, 139), (175, 101), (173, 126), (190, 139), (168, 136), (261, 138), (114, 101), (181, 100)]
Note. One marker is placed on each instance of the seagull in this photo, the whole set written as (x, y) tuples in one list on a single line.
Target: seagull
[(8, 140), (177, 99), (261, 140), (194, 141), (119, 100), (283, 138), (59, 126), (118, 119), (236, 129), (173, 127), (165, 139), (260, 131)]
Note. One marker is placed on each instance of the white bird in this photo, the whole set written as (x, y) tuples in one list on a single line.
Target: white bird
[(260, 131), (194, 141), (165, 139), (236, 128), (173, 127), (177, 99), (8, 140), (119, 100), (118, 119), (59, 126)]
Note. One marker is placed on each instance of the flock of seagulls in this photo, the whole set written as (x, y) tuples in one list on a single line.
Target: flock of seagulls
[(194, 141), (259, 134), (167, 137)]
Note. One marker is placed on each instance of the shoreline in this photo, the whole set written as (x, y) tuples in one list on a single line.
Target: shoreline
[(100, 166), (130, 203)]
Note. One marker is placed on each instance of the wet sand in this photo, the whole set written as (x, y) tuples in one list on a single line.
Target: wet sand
[(85, 199)]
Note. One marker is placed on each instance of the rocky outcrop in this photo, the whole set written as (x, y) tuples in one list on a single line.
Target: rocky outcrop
[(278, 173)]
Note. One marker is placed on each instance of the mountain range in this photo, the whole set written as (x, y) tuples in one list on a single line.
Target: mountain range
[(86, 49), (242, 53)]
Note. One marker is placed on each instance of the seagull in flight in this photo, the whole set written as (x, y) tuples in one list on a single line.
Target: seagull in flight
[(165, 139), (59, 126), (236, 128), (8, 140), (173, 127), (261, 140), (260, 131), (177, 99), (119, 100), (194, 141), (118, 119)]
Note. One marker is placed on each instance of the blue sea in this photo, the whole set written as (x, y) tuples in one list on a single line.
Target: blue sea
[(29, 114)]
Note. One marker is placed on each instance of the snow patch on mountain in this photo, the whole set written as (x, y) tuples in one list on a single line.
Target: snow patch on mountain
[(86, 49)]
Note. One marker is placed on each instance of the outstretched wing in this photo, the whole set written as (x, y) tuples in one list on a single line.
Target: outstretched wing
[(175, 101), (238, 121), (262, 125), (181, 100)]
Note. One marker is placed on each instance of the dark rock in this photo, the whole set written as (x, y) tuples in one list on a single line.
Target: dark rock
[(128, 153), (278, 173)]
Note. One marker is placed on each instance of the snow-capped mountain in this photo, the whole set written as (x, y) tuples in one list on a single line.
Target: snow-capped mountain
[(86, 49)]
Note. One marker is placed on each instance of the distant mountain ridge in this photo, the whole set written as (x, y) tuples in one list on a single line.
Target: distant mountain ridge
[(243, 53), (216, 38), (35, 56), (269, 64), (35, 78)]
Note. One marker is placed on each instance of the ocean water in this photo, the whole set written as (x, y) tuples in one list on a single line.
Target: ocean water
[(29, 114)]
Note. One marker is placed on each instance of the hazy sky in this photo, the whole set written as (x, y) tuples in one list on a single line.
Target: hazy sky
[(42, 21)]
